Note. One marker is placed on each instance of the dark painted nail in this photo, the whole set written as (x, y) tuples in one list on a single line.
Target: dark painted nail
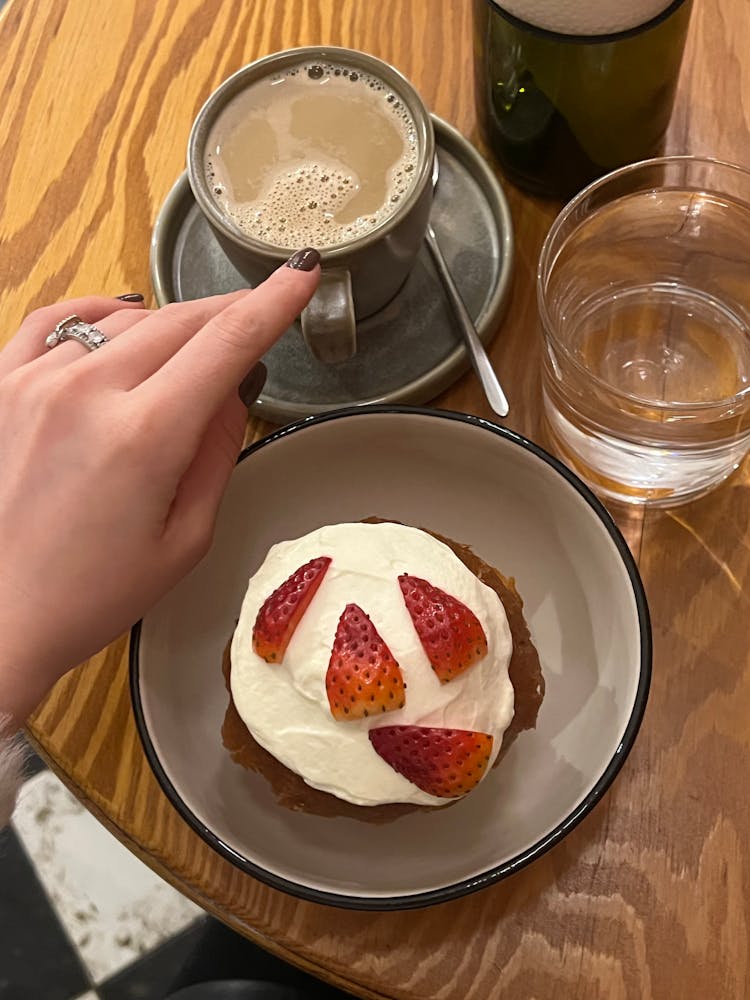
[(304, 260), (131, 297), (252, 384)]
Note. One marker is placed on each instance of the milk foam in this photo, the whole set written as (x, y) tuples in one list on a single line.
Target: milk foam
[(285, 706), (295, 189), (585, 17)]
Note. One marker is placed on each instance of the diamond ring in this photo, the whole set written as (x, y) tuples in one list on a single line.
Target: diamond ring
[(74, 328)]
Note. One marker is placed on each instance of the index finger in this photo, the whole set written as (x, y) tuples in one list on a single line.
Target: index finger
[(211, 365)]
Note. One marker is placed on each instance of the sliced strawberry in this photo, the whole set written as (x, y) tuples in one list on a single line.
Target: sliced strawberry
[(442, 762), (450, 633), (363, 678), (282, 611)]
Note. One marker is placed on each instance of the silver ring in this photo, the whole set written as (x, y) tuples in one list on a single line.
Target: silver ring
[(74, 328)]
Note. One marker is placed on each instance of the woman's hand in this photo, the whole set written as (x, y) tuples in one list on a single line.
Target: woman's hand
[(114, 463)]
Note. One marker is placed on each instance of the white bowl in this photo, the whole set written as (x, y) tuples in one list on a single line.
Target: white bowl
[(521, 511)]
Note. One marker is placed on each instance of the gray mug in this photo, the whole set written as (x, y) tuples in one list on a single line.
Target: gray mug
[(360, 276)]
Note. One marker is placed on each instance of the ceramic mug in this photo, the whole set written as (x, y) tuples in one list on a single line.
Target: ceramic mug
[(359, 276)]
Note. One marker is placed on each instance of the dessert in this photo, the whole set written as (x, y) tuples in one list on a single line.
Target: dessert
[(366, 659)]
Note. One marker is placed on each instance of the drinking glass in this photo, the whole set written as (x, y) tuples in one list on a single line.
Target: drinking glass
[(644, 297)]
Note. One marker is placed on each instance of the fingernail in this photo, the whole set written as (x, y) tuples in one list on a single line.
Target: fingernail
[(252, 384), (304, 260), (131, 297)]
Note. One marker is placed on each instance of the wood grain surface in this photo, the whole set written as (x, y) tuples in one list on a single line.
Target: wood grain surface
[(648, 898)]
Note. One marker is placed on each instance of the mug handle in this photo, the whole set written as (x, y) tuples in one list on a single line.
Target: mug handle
[(328, 323)]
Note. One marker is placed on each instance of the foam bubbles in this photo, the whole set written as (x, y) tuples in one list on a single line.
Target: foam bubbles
[(301, 207), (302, 204), (303, 200)]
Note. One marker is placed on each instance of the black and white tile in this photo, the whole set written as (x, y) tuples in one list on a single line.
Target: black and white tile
[(81, 918)]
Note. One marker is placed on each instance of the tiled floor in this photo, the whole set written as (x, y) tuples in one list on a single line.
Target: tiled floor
[(82, 919)]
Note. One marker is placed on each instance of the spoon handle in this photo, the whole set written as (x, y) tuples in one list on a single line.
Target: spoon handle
[(479, 360)]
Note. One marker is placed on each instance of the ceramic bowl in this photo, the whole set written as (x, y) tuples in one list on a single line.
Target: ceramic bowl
[(521, 511)]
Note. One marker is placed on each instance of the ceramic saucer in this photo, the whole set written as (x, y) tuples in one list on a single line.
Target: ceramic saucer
[(411, 350)]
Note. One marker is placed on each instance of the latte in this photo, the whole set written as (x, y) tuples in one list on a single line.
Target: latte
[(317, 155)]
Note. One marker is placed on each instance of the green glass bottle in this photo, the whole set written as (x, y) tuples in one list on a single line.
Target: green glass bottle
[(561, 99)]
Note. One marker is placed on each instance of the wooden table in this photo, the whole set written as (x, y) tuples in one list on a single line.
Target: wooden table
[(648, 897)]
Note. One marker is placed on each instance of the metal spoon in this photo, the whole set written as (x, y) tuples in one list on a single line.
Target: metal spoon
[(479, 359)]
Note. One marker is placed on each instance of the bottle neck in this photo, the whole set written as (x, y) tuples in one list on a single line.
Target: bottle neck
[(588, 19)]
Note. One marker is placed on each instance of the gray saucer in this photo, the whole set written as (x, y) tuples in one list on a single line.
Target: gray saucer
[(411, 350)]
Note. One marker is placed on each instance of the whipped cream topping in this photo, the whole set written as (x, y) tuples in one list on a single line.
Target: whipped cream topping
[(585, 17), (285, 706)]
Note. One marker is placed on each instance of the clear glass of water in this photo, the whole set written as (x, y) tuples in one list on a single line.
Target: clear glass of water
[(644, 297)]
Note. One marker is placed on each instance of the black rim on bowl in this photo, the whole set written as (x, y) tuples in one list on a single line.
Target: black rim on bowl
[(473, 883)]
